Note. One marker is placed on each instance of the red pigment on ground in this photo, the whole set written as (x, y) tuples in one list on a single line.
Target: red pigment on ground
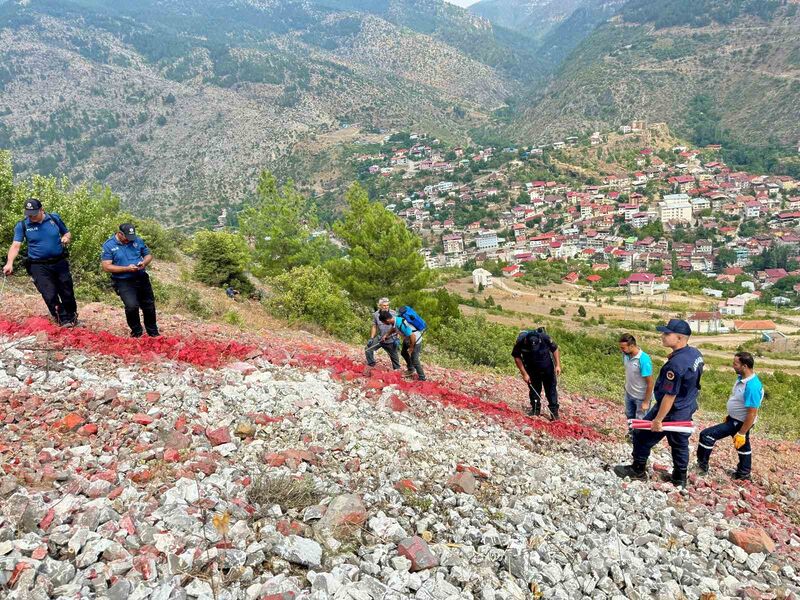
[(197, 352), (346, 369)]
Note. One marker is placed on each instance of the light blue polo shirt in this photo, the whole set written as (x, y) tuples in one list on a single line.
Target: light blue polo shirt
[(123, 255), (747, 393), (636, 369)]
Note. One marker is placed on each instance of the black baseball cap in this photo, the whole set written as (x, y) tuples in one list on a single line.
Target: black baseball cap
[(32, 207), (676, 326), (128, 230)]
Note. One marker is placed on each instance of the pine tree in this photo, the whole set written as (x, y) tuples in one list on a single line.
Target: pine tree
[(281, 224), (383, 255)]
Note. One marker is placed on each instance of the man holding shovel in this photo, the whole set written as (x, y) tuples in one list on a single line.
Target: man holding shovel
[(378, 332)]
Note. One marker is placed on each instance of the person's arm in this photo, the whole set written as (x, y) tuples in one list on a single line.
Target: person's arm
[(13, 251), (110, 267), (663, 408), (147, 256), (557, 360), (389, 334), (648, 392), (412, 342), (525, 377), (66, 236), (749, 420), (373, 331)]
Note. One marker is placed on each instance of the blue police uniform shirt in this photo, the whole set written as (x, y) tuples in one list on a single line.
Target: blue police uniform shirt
[(123, 255), (680, 377), (44, 239)]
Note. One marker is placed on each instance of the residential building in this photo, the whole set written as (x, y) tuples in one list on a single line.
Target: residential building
[(675, 208), (453, 244), (487, 240), (481, 277)]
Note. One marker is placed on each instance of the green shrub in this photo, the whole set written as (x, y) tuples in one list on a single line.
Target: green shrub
[(309, 294), (221, 260)]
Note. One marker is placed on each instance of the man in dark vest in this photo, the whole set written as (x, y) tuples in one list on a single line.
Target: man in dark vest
[(47, 237), (539, 362)]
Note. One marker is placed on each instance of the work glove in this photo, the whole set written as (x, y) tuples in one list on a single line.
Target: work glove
[(739, 440)]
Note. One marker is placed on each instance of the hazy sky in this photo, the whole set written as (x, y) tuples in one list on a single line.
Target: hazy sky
[(462, 2)]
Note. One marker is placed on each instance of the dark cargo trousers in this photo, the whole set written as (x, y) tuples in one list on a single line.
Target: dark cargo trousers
[(54, 282), (137, 293)]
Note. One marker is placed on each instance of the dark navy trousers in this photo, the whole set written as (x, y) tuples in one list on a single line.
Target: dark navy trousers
[(644, 440), (54, 282), (711, 435)]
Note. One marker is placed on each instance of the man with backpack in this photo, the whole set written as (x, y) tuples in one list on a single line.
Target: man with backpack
[(539, 362), (411, 327), (47, 237)]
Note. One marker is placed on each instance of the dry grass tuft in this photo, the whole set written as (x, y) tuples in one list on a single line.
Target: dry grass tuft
[(287, 492)]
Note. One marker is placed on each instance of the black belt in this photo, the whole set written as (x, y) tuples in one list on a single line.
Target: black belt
[(47, 261)]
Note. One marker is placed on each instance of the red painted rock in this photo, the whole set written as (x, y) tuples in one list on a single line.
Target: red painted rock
[(463, 483), (752, 540), (416, 550), (39, 553), (172, 455), (397, 405), (274, 459), (405, 485), (281, 596), (287, 527), (353, 465), (345, 514), (142, 476), (152, 397), (218, 436), (142, 419), (110, 394), (474, 470), (88, 429), (177, 440), (71, 422)]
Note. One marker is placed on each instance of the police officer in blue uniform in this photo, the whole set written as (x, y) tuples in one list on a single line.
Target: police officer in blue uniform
[(47, 237), (126, 257), (676, 392)]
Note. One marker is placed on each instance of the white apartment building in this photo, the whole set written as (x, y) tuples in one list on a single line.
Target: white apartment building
[(675, 208)]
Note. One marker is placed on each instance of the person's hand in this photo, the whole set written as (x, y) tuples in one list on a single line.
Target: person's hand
[(645, 406), (656, 426), (8, 269), (133, 268), (140, 266), (739, 440), (526, 378), (558, 371), (65, 239)]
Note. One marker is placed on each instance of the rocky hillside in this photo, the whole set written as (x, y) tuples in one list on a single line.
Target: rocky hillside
[(654, 58), (279, 467), (535, 18), (178, 104)]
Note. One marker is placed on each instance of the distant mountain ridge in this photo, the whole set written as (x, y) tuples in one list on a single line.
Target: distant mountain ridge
[(179, 103), (661, 61)]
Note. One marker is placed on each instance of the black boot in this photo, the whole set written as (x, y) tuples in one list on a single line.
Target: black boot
[(633, 471), (679, 478), (738, 476), (702, 468), (554, 414)]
